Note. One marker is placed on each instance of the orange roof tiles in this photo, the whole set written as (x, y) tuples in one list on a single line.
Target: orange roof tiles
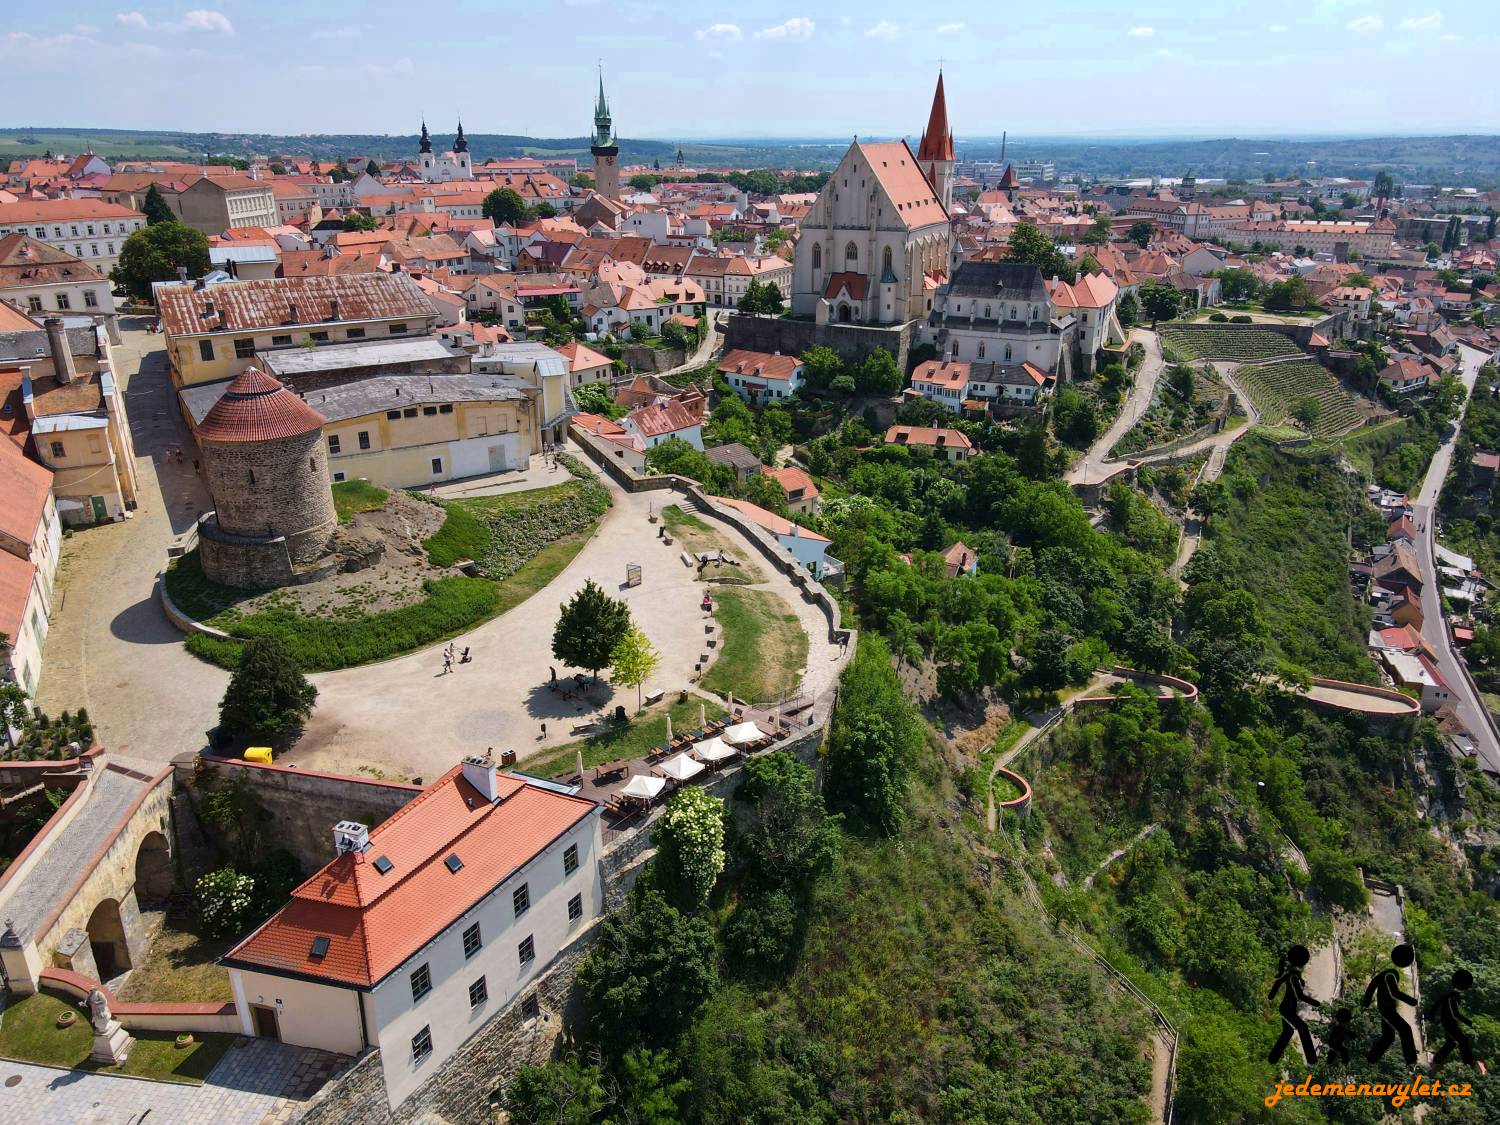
[(905, 183), (239, 306), (793, 480), (762, 365), (48, 210), (24, 486), (664, 418), (16, 577), (375, 922), (255, 407), (776, 525), (950, 373), (582, 358), (935, 436)]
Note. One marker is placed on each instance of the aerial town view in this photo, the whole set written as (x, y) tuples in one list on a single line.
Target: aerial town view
[(654, 565)]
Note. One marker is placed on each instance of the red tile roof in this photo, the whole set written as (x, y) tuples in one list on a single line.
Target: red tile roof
[(242, 306), (664, 418), (582, 358), (16, 576), (24, 486), (375, 922), (904, 181), (50, 210), (950, 373), (937, 141), (793, 480), (935, 436), (762, 365), (854, 282), (776, 525), (255, 407)]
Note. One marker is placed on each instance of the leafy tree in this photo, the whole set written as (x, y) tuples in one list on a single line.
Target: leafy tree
[(589, 628), (1128, 310), (1160, 300), (1294, 293), (358, 220), (821, 366), (761, 935), (1075, 417), (843, 385), (879, 374), (766, 493), (236, 813), (372, 168), (1307, 411), (154, 252), (650, 971), (689, 841), (1141, 232), (155, 207), (1099, 233), (1383, 186), (566, 1091), (583, 181), (224, 902), (1239, 285), (268, 696), (1028, 244), (504, 207), (644, 181), (632, 661), (278, 168), (788, 839), (676, 456), (594, 398), (762, 297), (873, 741)]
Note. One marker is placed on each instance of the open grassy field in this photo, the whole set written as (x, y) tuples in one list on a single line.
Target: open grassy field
[(764, 647), (29, 1032)]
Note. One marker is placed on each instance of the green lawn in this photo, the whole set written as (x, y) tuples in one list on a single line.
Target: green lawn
[(764, 649), (629, 740), (352, 496), (180, 968), (29, 1032)]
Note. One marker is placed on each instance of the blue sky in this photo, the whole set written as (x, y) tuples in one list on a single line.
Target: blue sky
[(674, 70)]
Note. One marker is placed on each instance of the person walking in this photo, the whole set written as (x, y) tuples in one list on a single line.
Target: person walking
[(1385, 989), (447, 663), (1289, 982), (1449, 1013)]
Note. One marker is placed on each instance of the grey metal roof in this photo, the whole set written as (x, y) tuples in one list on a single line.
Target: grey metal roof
[(243, 253), (359, 353), (1004, 281), (381, 392)]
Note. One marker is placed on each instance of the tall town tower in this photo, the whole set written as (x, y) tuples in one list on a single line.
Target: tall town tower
[(606, 151)]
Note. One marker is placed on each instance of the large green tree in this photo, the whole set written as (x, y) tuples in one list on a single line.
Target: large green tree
[(1159, 300), (155, 207), (1028, 244), (1142, 231), (154, 253), (879, 374), (268, 696), (873, 741), (821, 365), (589, 628), (689, 841), (358, 220), (504, 207)]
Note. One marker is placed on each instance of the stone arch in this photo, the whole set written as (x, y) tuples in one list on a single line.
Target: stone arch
[(106, 930), (153, 870), (845, 316)]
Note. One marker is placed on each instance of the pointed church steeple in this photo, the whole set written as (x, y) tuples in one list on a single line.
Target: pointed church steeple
[(606, 151), (426, 144), (935, 154), (461, 142), (937, 141)]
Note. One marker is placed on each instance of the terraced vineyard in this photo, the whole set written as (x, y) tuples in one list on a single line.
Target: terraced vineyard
[(1276, 388), (1236, 342)]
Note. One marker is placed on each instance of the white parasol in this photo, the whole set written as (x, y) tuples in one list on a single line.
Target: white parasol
[(713, 750), (681, 768), (643, 787)]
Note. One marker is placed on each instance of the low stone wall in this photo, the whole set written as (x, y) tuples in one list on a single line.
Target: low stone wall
[(177, 617), (205, 1018), (305, 804), (1021, 804), (652, 360)]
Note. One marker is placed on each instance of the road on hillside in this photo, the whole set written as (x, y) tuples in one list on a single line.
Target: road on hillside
[(1465, 700)]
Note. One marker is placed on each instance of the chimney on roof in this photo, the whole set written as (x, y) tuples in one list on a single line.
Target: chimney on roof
[(62, 355), (333, 309), (181, 273), (482, 774), (350, 836), (200, 284), (291, 312)]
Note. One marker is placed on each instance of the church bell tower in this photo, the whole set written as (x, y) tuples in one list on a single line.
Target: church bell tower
[(606, 151), (935, 154)]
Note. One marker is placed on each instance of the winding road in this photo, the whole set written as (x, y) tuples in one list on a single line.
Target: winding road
[(1092, 467)]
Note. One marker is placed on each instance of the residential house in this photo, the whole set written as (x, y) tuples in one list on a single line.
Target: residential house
[(215, 203), (89, 229), (1417, 670), (624, 446), (1406, 375), (585, 365), (802, 496), (960, 559), (760, 376), (542, 368), (30, 543), (744, 461), (38, 278), (1354, 298), (943, 443), (807, 547), (662, 421), (426, 926)]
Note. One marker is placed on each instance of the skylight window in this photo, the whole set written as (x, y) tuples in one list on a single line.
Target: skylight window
[(383, 865), (453, 863), (319, 948)]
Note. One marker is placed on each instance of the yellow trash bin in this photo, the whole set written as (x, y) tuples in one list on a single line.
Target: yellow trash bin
[(261, 754)]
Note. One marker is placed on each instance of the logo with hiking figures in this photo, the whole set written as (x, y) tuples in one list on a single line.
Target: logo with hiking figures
[(1385, 993)]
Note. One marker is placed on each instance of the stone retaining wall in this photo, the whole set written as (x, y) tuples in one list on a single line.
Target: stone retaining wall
[(180, 619), (853, 342), (305, 804)]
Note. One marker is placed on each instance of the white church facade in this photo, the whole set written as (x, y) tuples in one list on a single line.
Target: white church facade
[(442, 168)]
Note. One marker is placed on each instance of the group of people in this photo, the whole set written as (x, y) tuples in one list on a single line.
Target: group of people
[(449, 657), (1384, 990)]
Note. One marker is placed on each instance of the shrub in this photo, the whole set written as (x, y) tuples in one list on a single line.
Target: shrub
[(761, 936), (1242, 319), (689, 840), (1217, 317), (225, 899), (462, 536), (268, 696)]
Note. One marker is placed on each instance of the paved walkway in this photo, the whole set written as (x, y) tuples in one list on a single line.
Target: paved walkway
[(1092, 467), (405, 717), (110, 647), (250, 1084)]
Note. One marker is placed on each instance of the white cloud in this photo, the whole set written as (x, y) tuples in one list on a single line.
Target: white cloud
[(132, 19), (1277, 28), (1430, 22), (798, 27), (1451, 38), (341, 34), (885, 29), (202, 19), (1367, 25), (725, 32), (1141, 32), (950, 29)]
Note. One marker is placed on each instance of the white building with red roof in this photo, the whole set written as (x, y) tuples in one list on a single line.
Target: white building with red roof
[(661, 421), (761, 376), (423, 928), (950, 445), (807, 547), (877, 235)]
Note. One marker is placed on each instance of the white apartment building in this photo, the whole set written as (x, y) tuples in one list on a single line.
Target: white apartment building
[(89, 229), (424, 928)]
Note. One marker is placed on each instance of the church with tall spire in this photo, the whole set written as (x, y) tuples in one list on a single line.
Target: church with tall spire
[(874, 246), (442, 168), (606, 151)]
